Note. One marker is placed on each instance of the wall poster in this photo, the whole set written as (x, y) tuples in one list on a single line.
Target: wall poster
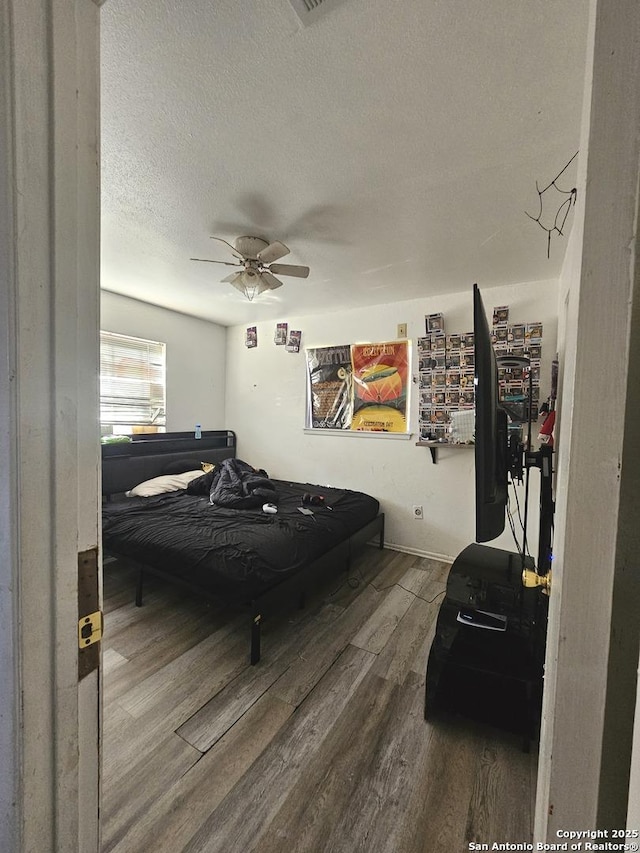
[(330, 403), (362, 387), (380, 374)]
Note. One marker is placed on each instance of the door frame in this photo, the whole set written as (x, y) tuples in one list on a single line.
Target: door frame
[(49, 494), (49, 491), (591, 683)]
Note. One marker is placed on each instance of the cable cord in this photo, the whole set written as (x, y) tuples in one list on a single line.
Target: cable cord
[(427, 600), (513, 530)]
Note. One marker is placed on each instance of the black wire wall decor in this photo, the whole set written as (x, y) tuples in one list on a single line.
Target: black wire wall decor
[(562, 211)]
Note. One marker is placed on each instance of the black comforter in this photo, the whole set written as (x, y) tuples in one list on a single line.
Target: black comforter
[(237, 552), (235, 484)]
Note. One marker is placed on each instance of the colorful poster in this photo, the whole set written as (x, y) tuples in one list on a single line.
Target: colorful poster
[(251, 337), (330, 392), (380, 385)]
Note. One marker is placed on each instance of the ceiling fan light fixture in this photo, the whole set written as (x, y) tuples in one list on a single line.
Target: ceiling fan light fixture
[(255, 258), (250, 284)]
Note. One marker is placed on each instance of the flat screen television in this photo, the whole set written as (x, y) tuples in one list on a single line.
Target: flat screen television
[(491, 437)]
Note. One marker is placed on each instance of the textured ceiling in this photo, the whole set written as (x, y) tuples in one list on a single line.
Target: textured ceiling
[(393, 145)]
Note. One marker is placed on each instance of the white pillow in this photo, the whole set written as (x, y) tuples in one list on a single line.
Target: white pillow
[(160, 485)]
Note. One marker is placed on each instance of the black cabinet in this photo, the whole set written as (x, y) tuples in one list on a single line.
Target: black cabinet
[(487, 657)]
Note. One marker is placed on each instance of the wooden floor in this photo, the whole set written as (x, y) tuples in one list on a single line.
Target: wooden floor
[(320, 747)]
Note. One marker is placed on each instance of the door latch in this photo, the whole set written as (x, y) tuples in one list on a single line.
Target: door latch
[(89, 629)]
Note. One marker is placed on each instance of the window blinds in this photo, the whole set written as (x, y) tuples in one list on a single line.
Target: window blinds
[(132, 380)]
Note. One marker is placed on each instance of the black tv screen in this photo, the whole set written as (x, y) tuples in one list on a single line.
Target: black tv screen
[(491, 432)]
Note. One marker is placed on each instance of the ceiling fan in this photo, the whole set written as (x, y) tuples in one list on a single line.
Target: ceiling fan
[(256, 267)]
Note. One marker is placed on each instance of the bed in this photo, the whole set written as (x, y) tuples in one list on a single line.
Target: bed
[(242, 555)]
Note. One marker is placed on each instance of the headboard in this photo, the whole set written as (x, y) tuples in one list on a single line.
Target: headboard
[(148, 455)]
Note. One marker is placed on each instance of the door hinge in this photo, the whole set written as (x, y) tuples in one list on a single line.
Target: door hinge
[(90, 629)]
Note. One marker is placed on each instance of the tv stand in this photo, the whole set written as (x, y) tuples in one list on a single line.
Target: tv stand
[(487, 657)]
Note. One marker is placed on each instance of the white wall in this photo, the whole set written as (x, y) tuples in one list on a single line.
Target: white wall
[(265, 405), (568, 292), (196, 353)]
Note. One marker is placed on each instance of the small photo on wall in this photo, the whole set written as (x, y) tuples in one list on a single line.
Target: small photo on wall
[(251, 337), (280, 336), (293, 343)]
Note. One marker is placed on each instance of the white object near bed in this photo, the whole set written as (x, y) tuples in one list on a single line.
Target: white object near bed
[(164, 483)]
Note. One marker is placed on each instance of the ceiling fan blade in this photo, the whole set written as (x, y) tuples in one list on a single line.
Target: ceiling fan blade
[(290, 269), (270, 280), (209, 261), (272, 252), (233, 248)]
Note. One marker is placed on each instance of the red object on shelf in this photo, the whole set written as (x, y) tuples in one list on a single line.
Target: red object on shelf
[(546, 430)]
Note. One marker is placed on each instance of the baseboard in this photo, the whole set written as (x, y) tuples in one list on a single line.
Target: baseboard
[(430, 555)]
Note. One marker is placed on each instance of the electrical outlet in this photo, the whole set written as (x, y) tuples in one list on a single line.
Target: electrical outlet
[(402, 330), (417, 513)]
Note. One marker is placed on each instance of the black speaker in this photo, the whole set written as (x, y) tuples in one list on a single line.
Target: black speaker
[(487, 658)]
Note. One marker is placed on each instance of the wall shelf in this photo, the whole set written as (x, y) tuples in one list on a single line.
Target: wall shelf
[(434, 446)]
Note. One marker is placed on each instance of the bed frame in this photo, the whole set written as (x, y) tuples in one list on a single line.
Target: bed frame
[(147, 456)]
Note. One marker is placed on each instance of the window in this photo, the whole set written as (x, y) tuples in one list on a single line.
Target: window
[(132, 384)]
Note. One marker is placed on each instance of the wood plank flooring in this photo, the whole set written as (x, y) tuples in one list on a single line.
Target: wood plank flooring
[(320, 747)]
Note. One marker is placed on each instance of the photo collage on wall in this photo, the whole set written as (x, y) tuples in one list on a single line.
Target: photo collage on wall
[(446, 375), (283, 336)]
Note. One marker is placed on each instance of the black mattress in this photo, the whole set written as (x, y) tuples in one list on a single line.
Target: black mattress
[(231, 552)]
